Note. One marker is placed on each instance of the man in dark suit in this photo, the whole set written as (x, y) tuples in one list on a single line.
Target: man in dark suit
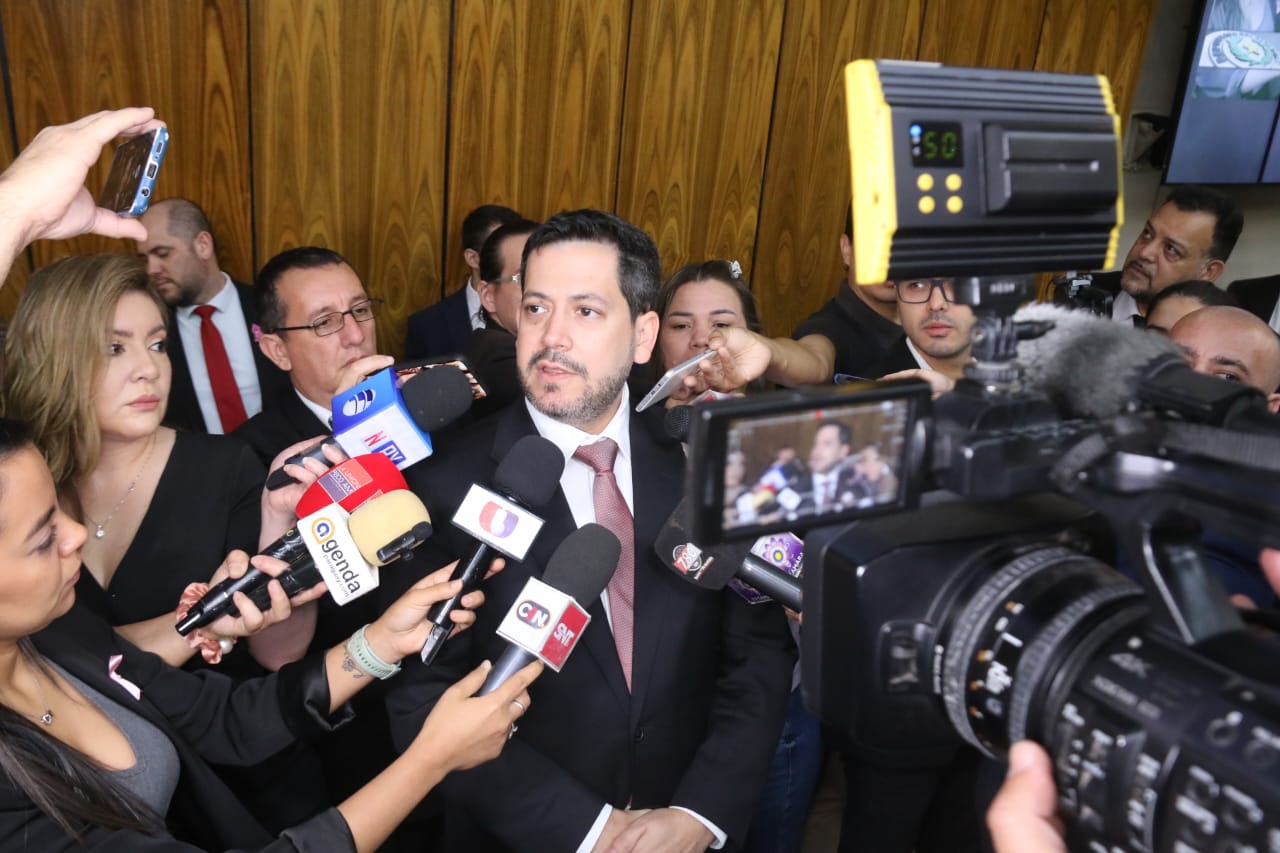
[(937, 332), (491, 351), (662, 742), (182, 261), (443, 328), (318, 328), (1259, 296), (1189, 236)]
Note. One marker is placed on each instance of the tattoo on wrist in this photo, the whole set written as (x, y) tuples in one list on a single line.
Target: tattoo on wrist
[(349, 665)]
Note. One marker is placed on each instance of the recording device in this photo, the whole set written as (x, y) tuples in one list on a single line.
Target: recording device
[(550, 613), (981, 607), (1077, 290), (132, 178), (498, 520), (328, 545), (429, 400), (672, 380), (715, 568)]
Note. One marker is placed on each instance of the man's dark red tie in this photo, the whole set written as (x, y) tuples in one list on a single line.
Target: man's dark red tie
[(226, 394), (612, 512)]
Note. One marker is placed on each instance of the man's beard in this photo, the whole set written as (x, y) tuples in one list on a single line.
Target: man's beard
[(597, 397)]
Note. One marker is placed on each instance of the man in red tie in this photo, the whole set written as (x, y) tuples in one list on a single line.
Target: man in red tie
[(220, 379), (658, 732)]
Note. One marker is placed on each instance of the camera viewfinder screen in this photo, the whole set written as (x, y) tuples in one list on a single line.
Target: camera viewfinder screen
[(811, 465)]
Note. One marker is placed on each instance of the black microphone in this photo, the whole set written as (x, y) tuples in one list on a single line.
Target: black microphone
[(713, 568), (580, 568), (435, 398), (676, 422), (527, 477), (1093, 367), (384, 529)]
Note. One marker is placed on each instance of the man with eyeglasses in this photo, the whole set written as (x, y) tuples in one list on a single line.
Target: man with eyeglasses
[(491, 351), (936, 332), (317, 326)]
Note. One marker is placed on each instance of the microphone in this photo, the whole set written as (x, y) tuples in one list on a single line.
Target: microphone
[(1092, 367), (350, 483), (714, 568), (549, 615), (378, 416), (325, 546), (500, 520)]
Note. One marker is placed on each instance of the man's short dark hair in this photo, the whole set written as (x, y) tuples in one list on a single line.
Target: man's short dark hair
[(186, 218), (639, 270), (1228, 217), (479, 222), (491, 251), (1205, 292), (842, 428), (270, 311)]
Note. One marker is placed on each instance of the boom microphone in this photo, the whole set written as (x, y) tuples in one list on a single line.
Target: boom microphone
[(1091, 367), (527, 476), (713, 568), (577, 572), (397, 518), (434, 399)]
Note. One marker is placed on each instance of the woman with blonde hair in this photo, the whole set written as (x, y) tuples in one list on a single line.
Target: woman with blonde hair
[(86, 367)]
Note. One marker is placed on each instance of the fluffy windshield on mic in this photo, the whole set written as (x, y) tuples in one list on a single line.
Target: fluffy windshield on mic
[(1090, 366), (386, 519), (437, 397)]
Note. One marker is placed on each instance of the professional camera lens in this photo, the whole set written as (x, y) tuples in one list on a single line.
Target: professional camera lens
[(1018, 627)]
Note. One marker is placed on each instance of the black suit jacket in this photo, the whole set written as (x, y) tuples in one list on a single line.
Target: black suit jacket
[(1257, 295), (440, 329), (711, 675), (208, 718), (286, 423), (184, 409), (897, 357)]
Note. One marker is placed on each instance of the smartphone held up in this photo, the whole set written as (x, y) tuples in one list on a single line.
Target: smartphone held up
[(133, 173)]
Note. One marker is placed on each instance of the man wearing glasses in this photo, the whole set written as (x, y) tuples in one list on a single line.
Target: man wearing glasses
[(317, 326), (936, 332)]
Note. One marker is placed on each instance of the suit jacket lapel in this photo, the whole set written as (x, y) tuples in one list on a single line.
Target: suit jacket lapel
[(598, 638), (657, 486)]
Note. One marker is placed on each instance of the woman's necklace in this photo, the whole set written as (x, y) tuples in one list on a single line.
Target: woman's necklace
[(101, 526), (45, 719)]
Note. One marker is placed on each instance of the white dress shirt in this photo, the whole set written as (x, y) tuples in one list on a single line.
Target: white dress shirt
[(475, 311), (1124, 308), (228, 319), (578, 484)]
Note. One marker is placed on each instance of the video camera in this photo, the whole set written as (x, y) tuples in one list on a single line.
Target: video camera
[(974, 600)]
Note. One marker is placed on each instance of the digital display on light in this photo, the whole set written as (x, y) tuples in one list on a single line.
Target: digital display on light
[(936, 144)]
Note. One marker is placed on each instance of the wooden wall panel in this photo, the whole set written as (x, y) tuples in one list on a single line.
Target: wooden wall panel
[(1098, 37), (20, 270), (185, 58), (535, 109), (806, 183), (991, 33), (349, 140), (696, 117)]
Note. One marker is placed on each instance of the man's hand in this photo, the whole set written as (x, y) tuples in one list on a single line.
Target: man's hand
[(279, 505), (42, 193), (662, 831), (1023, 817), (939, 383), (741, 356), (619, 820), (356, 372)]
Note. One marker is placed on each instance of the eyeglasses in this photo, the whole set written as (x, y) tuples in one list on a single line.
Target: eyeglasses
[(921, 290), (514, 278), (329, 324)]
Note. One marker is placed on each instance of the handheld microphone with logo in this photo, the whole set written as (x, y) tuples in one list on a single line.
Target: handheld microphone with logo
[(500, 520), (328, 545), (347, 486), (381, 416), (550, 614), (714, 568)]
